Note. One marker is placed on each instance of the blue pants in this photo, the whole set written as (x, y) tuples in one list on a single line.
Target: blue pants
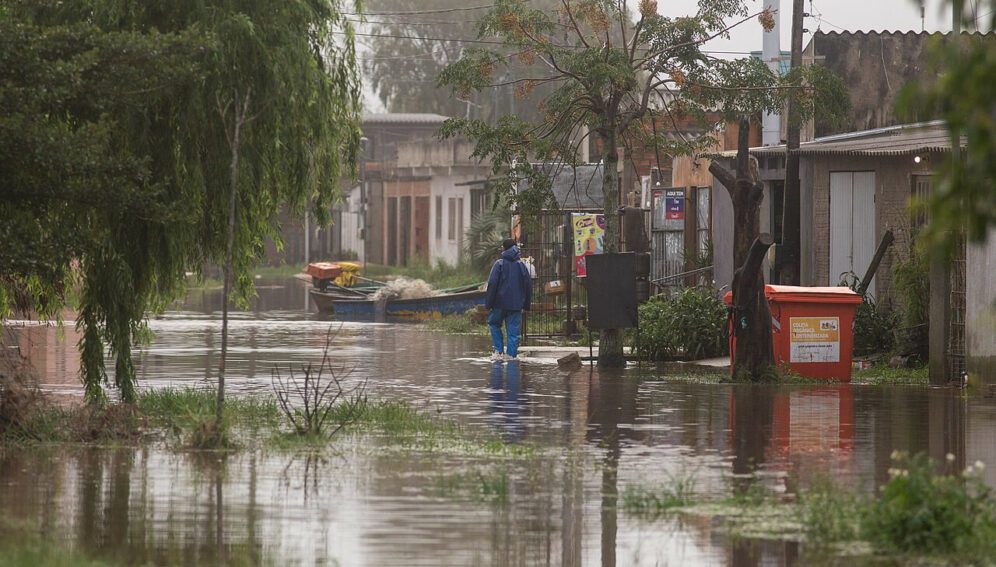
[(513, 324)]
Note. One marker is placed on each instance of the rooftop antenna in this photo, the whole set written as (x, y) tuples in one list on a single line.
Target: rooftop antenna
[(922, 18)]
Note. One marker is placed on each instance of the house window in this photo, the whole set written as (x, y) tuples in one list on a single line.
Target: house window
[(460, 218), (480, 202), (439, 217), (451, 231)]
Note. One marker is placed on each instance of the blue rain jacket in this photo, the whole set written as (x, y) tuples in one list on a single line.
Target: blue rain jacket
[(509, 286)]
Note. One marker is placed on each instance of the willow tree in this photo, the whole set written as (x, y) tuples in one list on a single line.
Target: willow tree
[(616, 75), (286, 73), (77, 198)]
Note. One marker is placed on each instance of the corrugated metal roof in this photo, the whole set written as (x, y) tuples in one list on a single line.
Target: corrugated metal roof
[(892, 141), (427, 119)]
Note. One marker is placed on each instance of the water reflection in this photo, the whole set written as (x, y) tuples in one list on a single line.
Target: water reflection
[(597, 432), (506, 379)]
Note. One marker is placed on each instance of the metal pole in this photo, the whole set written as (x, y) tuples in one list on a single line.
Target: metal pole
[(364, 231)]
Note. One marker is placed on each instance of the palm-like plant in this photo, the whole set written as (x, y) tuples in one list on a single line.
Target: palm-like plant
[(483, 238)]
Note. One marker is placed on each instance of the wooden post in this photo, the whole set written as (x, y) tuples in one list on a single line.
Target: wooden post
[(887, 240)]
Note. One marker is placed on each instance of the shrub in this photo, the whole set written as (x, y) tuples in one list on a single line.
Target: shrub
[(925, 512), (873, 327), (689, 325)]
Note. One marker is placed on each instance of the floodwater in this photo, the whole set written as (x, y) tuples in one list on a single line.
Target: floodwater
[(597, 434)]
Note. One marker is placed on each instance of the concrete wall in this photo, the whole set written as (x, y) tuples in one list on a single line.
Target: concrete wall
[(980, 328)]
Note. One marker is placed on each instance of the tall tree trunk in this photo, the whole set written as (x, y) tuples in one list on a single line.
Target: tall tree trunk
[(235, 142), (610, 344), (752, 357), (789, 255)]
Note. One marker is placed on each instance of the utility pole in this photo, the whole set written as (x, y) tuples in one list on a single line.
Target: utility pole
[(939, 275), (788, 258), (364, 231)]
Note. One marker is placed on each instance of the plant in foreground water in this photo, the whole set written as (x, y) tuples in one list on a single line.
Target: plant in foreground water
[(307, 399), (922, 510)]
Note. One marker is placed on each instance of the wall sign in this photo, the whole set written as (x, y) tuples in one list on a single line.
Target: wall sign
[(668, 209), (814, 339)]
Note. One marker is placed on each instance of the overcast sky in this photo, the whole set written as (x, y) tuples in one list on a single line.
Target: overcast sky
[(827, 15)]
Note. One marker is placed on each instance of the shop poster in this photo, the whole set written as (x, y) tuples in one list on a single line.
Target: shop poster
[(589, 238), (814, 339)]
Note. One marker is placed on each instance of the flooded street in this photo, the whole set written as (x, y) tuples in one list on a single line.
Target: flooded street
[(596, 435)]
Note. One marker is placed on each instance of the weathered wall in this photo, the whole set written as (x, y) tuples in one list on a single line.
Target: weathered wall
[(980, 329), (893, 187), (875, 66)]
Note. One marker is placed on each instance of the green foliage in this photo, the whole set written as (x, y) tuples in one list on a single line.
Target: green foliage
[(884, 374), (964, 198), (115, 148), (923, 511), (830, 513), (911, 283), (690, 325), (484, 237), (460, 324), (873, 327), (606, 72)]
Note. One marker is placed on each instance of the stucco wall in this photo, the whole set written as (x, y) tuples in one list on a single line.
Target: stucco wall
[(445, 186)]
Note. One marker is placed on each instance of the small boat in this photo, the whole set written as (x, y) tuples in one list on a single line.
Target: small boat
[(346, 305)]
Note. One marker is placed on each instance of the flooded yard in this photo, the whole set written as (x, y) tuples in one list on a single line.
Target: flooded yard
[(593, 437)]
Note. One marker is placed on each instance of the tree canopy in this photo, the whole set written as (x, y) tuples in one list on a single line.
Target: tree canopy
[(414, 40), (146, 179), (964, 198)]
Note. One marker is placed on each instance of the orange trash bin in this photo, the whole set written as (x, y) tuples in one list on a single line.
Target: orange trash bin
[(812, 329)]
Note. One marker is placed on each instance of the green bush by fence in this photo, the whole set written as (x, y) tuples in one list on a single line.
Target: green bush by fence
[(689, 325)]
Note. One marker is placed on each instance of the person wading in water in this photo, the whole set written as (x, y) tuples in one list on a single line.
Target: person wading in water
[(509, 294)]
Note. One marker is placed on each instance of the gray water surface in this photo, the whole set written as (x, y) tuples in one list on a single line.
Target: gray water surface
[(596, 434)]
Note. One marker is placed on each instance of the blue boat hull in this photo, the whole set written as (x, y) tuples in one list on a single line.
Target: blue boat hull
[(422, 308)]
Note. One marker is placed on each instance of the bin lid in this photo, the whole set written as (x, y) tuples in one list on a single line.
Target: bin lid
[(800, 294)]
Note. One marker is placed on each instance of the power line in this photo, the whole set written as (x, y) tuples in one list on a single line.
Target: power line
[(493, 42), (417, 12), (410, 23), (426, 38)]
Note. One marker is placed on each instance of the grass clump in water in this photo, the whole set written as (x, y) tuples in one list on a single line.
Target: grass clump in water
[(654, 501), (481, 486), (831, 514), (189, 414)]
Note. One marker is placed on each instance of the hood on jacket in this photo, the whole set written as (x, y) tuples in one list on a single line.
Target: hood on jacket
[(512, 254)]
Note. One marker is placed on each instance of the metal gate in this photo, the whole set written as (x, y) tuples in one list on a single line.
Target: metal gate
[(560, 312)]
